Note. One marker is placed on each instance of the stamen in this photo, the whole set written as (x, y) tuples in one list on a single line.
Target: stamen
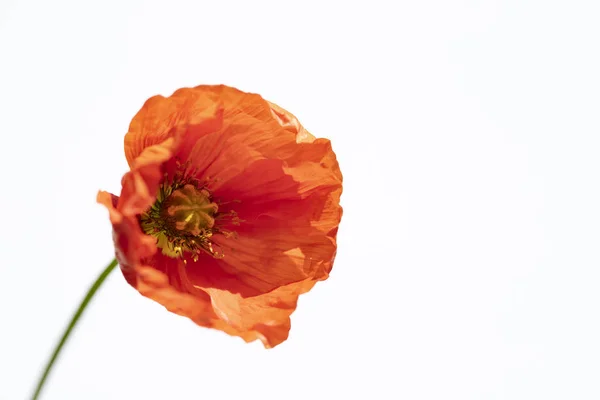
[(184, 216)]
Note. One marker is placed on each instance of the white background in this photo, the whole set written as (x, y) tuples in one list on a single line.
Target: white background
[(468, 135)]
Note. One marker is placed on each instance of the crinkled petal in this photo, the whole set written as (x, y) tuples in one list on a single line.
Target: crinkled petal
[(131, 244), (160, 117), (265, 317)]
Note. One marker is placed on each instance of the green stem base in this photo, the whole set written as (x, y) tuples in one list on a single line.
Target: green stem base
[(71, 325)]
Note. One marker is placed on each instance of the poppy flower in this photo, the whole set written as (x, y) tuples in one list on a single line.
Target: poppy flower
[(229, 212)]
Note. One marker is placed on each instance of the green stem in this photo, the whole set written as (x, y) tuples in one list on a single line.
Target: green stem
[(72, 324)]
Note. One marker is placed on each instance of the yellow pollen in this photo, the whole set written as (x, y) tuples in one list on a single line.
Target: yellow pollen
[(182, 220)]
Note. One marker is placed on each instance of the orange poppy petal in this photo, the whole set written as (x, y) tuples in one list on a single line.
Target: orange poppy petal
[(131, 244), (266, 318), (285, 237), (259, 265), (267, 315), (140, 185), (160, 116)]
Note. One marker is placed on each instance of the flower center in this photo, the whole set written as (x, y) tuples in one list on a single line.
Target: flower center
[(189, 211), (182, 219)]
